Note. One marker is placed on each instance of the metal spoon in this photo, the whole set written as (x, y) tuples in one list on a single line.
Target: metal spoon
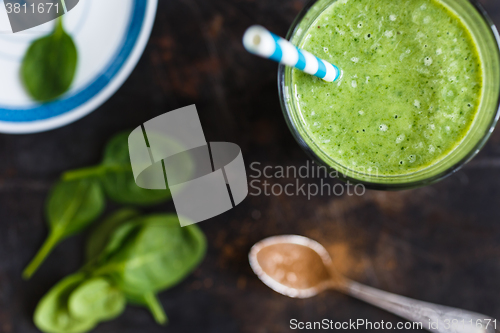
[(434, 318)]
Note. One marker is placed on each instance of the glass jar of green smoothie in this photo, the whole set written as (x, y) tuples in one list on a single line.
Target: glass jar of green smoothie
[(419, 92)]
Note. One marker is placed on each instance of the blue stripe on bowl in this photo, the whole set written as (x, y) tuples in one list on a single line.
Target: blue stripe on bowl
[(60, 107)]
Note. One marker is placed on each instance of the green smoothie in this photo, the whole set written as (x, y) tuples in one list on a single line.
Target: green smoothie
[(410, 90)]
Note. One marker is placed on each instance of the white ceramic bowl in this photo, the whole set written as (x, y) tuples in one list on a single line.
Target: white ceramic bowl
[(109, 46)]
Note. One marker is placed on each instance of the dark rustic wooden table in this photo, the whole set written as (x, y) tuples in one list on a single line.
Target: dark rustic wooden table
[(439, 244)]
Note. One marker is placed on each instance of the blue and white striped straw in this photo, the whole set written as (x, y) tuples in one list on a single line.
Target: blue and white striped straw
[(258, 40)]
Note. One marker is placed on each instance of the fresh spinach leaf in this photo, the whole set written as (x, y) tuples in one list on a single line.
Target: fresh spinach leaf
[(151, 302), (159, 255), (108, 237), (71, 206), (139, 257), (101, 233), (96, 299), (118, 182), (149, 254), (116, 241), (116, 176), (49, 66), (52, 314)]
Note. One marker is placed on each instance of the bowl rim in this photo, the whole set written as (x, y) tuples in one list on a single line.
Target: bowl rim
[(67, 110)]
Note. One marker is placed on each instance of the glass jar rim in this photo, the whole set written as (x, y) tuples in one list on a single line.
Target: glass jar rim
[(303, 142)]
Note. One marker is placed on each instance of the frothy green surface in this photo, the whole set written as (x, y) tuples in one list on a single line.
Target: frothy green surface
[(411, 85)]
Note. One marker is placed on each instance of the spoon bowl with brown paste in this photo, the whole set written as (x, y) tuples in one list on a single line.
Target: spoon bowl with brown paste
[(300, 267)]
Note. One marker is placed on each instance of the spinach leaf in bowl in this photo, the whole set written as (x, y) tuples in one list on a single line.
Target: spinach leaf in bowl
[(49, 65)]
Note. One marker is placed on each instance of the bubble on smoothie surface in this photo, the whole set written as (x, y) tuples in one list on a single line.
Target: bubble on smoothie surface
[(412, 158), (393, 17), (388, 33), (400, 138), (439, 51), (361, 112), (355, 60), (325, 49), (383, 127), (428, 61), (417, 104), (431, 149), (354, 84)]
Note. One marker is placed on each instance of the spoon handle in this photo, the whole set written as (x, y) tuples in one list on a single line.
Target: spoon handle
[(434, 318)]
